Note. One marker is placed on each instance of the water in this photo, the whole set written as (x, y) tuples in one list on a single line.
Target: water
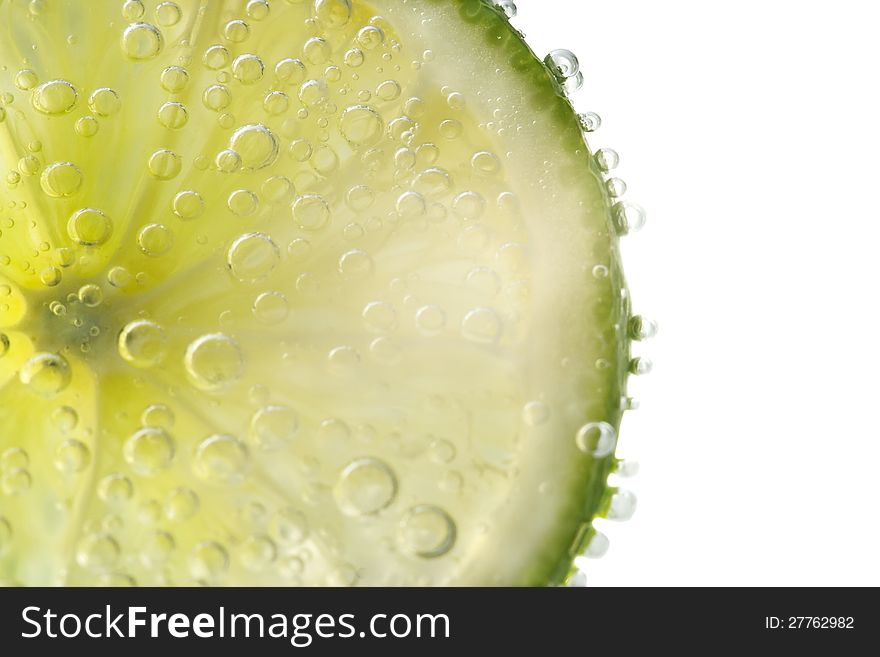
[(307, 279)]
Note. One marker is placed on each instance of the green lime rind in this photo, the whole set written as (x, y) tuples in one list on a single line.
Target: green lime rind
[(554, 564)]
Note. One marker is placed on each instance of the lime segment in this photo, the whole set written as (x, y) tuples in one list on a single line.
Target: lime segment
[(298, 292)]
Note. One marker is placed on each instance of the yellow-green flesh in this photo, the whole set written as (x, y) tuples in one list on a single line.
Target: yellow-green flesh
[(297, 293)]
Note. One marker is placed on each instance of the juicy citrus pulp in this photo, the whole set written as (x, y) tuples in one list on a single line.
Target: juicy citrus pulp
[(318, 292)]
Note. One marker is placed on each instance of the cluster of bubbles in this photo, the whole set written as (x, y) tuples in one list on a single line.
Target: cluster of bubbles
[(599, 439), (426, 192)]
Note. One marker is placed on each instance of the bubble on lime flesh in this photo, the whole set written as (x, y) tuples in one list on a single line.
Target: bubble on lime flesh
[(307, 300)]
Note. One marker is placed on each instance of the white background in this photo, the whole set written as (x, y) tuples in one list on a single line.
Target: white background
[(750, 131)]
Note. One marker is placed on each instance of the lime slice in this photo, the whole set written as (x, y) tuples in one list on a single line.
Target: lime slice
[(293, 292)]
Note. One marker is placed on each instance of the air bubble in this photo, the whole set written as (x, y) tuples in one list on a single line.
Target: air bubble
[(642, 328), (61, 179), (181, 504), (626, 468), (354, 58), (324, 161), (589, 121), (365, 486), (426, 531), (455, 101), (562, 63), (290, 71), (247, 68), (482, 325), (291, 567), (173, 115), (115, 489), (188, 205), (155, 240), (607, 159), (361, 125), (256, 145), (242, 202), (252, 257), (257, 552), (574, 83), (640, 366), (430, 320), (535, 413), (577, 580), (55, 97), (104, 102), (156, 549), (216, 57), (86, 126), (236, 31), (441, 451), (388, 90), (271, 308), (174, 79), (342, 360), (404, 159), (257, 9), (158, 415), (274, 426), (432, 183), (16, 481), (410, 205), (168, 14), (90, 295), (213, 362), (14, 458), (50, 276), (276, 102), (451, 129), (46, 374), (227, 161), (221, 459), (288, 526), (132, 9), (379, 316), (26, 79), (142, 343), (333, 13), (28, 166), (628, 218), (313, 92), (71, 457), (317, 51), (507, 7), (300, 150), (208, 560), (622, 506), (149, 450), (89, 227), (370, 37), (615, 187), (97, 552), (141, 41), (216, 97), (597, 439), (165, 164), (469, 205), (485, 163), (355, 264), (119, 277), (311, 212)]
